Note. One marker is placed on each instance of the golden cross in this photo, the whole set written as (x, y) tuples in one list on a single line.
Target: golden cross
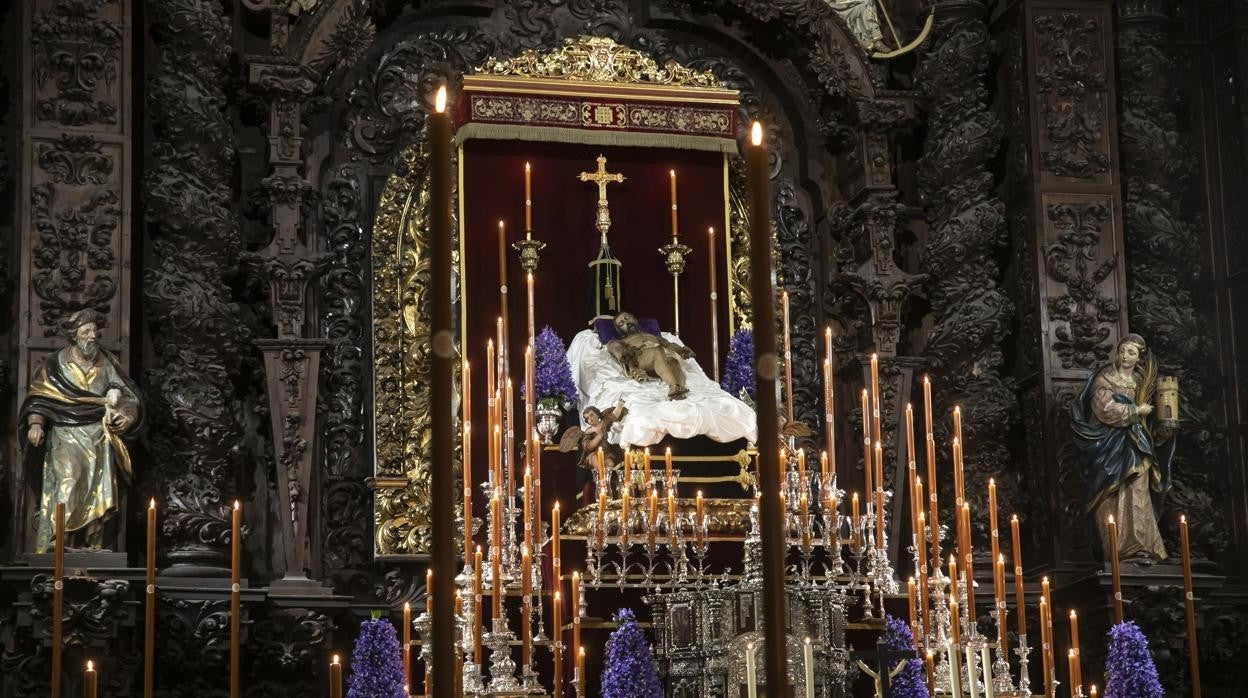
[(602, 178)]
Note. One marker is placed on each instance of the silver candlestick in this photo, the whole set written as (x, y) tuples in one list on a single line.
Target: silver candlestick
[(1023, 653), (502, 667)]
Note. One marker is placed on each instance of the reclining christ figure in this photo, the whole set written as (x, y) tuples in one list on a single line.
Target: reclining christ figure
[(656, 377)]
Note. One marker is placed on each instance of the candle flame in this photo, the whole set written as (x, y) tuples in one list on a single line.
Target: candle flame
[(556, 506), (992, 482), (439, 102), (673, 174), (90, 665), (711, 230), (526, 167), (500, 225), (557, 597), (581, 651), (756, 133), (236, 505), (152, 504), (335, 661), (808, 640), (926, 380), (407, 606), (855, 496), (478, 550), (1073, 615), (1182, 518), (1111, 519)]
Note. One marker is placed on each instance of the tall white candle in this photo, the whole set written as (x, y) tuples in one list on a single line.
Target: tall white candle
[(751, 684), (986, 661), (808, 657)]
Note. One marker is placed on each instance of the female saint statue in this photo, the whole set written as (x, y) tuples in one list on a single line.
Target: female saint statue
[(1123, 454)]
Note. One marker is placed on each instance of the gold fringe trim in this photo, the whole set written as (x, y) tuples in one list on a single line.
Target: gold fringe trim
[(556, 134)]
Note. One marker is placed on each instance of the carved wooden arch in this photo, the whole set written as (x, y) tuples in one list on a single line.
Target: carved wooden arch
[(783, 87)]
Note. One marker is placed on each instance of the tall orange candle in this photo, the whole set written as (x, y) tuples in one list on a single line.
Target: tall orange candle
[(933, 517), (829, 401), (574, 609), (671, 521), (526, 596), (602, 517), (509, 438), (496, 557), (1076, 678), (526, 509), (924, 603), (429, 592), (407, 639), (467, 505), (875, 399), (335, 677), (804, 484), (556, 613), (998, 580), (652, 518), (1189, 605), (149, 607), (1115, 574), (90, 686), (555, 546), (1019, 598), (867, 466), (667, 464), (969, 571), (953, 622), (992, 518), (580, 671), (803, 503), (645, 468), (675, 222), (714, 301), (236, 535), (1046, 654), (788, 357), (58, 574), (856, 523), (528, 202), (1072, 659), (478, 609), (879, 495)]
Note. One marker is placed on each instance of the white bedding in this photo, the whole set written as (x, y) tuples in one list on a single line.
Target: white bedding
[(706, 411)]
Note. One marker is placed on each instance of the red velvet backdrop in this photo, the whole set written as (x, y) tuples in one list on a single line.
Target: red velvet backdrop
[(564, 210)]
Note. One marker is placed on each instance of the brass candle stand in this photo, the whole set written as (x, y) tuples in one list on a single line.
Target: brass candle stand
[(674, 254)]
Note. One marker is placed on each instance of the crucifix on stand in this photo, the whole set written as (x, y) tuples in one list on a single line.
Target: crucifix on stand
[(606, 268)]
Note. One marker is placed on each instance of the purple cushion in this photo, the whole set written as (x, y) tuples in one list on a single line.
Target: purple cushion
[(606, 329)]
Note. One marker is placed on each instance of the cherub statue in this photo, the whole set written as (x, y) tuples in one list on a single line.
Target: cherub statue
[(643, 356), (598, 424)]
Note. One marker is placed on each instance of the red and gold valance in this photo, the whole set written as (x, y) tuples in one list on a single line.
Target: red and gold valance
[(596, 92)]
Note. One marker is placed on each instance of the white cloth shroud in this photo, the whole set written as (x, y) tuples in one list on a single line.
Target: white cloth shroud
[(708, 410)]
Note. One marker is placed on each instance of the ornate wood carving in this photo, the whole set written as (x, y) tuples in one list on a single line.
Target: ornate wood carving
[(1164, 258), (971, 312), (197, 336), (345, 501), (1067, 240), (75, 183)]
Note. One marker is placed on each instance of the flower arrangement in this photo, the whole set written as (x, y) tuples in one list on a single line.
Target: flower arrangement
[(630, 671), (376, 666), (909, 683), (1129, 669), (738, 376), (552, 374)]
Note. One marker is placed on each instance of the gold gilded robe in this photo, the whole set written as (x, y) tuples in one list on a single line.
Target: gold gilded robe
[(82, 455)]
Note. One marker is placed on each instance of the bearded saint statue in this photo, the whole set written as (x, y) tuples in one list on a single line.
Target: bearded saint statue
[(1123, 453), (77, 408)]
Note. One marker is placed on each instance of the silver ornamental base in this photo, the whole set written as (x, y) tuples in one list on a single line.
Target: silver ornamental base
[(473, 685), (502, 667), (1023, 652)]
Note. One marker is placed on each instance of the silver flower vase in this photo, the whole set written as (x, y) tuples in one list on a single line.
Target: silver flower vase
[(548, 422)]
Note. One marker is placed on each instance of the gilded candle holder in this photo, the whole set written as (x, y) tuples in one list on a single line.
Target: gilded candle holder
[(530, 252)]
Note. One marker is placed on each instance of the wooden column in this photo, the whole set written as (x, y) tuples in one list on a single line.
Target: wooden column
[(1062, 188), (74, 190)]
